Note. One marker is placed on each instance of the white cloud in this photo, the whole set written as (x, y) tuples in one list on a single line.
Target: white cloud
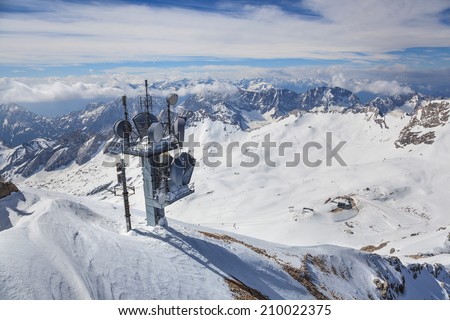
[(394, 80), (202, 88), (50, 89), (382, 87), (70, 33), (38, 90)]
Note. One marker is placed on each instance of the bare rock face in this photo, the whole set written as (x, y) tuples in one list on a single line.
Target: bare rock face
[(6, 188), (418, 131)]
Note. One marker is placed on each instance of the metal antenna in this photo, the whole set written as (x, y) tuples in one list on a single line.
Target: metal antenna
[(126, 138), (168, 117), (147, 107), (147, 104), (171, 101), (124, 103), (127, 131), (126, 203), (163, 185)]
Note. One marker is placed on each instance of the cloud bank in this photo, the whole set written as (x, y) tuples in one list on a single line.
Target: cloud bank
[(72, 33), (107, 86), (381, 87)]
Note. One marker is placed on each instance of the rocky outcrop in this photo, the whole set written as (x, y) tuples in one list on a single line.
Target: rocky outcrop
[(419, 129), (6, 188), (90, 149)]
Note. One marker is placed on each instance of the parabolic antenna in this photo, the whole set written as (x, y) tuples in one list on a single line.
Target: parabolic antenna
[(121, 128), (142, 122), (172, 99), (182, 169), (155, 132), (189, 169)]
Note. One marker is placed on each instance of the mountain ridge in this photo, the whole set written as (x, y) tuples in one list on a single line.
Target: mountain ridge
[(69, 137), (262, 97)]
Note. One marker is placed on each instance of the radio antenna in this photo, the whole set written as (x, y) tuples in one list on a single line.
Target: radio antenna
[(127, 129), (147, 103)]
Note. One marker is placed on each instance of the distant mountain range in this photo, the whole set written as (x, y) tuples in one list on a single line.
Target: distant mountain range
[(31, 142)]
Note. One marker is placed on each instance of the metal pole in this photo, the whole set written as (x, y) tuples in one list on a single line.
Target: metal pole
[(127, 131), (147, 105), (168, 117), (146, 97), (126, 137), (126, 203)]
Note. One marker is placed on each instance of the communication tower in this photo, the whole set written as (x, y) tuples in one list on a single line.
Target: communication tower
[(157, 141)]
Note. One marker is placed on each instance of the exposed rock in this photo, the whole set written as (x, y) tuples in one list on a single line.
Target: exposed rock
[(6, 188), (408, 102), (68, 150), (329, 99), (241, 291), (18, 125), (90, 149), (371, 248), (418, 131)]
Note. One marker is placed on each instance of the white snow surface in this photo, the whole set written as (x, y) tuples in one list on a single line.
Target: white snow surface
[(69, 247), (401, 198)]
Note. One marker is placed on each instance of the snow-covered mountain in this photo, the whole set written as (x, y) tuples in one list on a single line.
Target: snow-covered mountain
[(246, 104), (406, 102), (228, 101), (17, 125), (424, 123), (328, 99), (376, 226)]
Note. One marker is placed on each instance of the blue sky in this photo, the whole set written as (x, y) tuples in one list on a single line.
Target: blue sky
[(375, 40)]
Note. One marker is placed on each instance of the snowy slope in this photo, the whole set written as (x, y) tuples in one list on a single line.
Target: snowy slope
[(67, 247), (400, 194), (247, 227)]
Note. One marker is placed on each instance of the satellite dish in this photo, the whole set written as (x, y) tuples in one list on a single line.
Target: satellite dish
[(176, 172), (142, 122), (172, 99), (189, 169), (182, 169), (121, 128), (155, 132)]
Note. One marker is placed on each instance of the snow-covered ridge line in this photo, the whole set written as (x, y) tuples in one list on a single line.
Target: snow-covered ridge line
[(70, 137), (65, 247), (245, 95)]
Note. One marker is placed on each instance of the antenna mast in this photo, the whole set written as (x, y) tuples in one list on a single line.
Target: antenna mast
[(127, 131), (121, 170), (147, 103), (166, 178)]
